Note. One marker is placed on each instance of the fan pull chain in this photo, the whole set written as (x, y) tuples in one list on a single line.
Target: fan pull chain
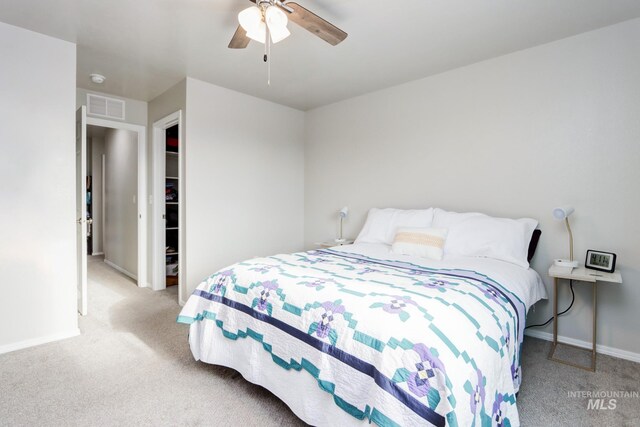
[(267, 55)]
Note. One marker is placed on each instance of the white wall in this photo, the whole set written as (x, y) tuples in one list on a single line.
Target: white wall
[(121, 198), (135, 111), (244, 179), (512, 136), (172, 100), (37, 181)]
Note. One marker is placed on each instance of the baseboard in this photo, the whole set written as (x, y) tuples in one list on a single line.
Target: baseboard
[(38, 341), (121, 270), (97, 253), (602, 349)]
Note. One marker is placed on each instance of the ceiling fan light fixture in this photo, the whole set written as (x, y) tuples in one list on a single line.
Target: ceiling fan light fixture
[(250, 19), (277, 21), (271, 13), (258, 33)]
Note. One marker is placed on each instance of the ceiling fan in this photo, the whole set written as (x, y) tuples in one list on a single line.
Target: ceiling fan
[(266, 22)]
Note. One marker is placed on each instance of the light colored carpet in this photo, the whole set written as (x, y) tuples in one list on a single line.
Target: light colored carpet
[(132, 366)]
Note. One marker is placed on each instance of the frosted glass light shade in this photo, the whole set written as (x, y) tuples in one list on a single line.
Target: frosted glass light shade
[(250, 18), (258, 34), (277, 20), (256, 27), (562, 212)]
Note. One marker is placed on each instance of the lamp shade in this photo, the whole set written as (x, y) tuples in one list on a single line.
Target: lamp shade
[(562, 212), (255, 25), (258, 34), (344, 212), (276, 20), (250, 18)]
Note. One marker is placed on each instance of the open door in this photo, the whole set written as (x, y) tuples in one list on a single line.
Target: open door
[(81, 203), (168, 173)]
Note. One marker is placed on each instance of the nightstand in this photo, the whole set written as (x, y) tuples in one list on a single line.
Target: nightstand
[(579, 274), (333, 243)]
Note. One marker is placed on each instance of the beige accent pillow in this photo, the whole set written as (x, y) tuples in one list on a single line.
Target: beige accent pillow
[(420, 242)]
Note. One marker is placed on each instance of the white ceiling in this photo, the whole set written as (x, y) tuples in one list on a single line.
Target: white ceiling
[(146, 46)]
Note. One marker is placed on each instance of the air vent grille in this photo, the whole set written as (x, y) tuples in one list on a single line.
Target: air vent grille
[(105, 107)]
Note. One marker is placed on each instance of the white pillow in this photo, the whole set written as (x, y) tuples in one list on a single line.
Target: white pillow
[(479, 235), (421, 242), (381, 224), (446, 219)]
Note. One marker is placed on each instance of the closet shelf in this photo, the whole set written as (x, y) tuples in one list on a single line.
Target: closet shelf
[(172, 214)]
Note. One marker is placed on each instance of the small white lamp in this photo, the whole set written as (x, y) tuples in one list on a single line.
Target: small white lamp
[(562, 213), (342, 214)]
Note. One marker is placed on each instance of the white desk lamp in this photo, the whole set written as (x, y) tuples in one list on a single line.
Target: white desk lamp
[(560, 214), (342, 214)]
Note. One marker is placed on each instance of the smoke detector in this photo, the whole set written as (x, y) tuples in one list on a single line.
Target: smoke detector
[(97, 78)]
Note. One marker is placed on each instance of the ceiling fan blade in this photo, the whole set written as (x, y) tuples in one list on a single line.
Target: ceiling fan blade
[(314, 24), (239, 39)]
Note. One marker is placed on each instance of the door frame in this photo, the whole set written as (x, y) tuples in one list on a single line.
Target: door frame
[(142, 189), (158, 276), (81, 210)]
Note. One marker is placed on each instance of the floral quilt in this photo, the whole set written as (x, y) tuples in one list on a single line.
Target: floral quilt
[(393, 342)]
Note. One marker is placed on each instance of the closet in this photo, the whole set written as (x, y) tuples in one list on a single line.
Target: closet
[(172, 203)]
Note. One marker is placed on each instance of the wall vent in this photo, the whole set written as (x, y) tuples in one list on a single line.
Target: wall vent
[(102, 106)]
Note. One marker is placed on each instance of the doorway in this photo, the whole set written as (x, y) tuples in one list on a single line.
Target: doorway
[(168, 210), (111, 198)]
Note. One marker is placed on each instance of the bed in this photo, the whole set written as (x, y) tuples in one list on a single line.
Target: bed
[(358, 334)]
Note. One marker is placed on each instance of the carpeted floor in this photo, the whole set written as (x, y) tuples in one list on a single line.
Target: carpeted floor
[(132, 366)]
